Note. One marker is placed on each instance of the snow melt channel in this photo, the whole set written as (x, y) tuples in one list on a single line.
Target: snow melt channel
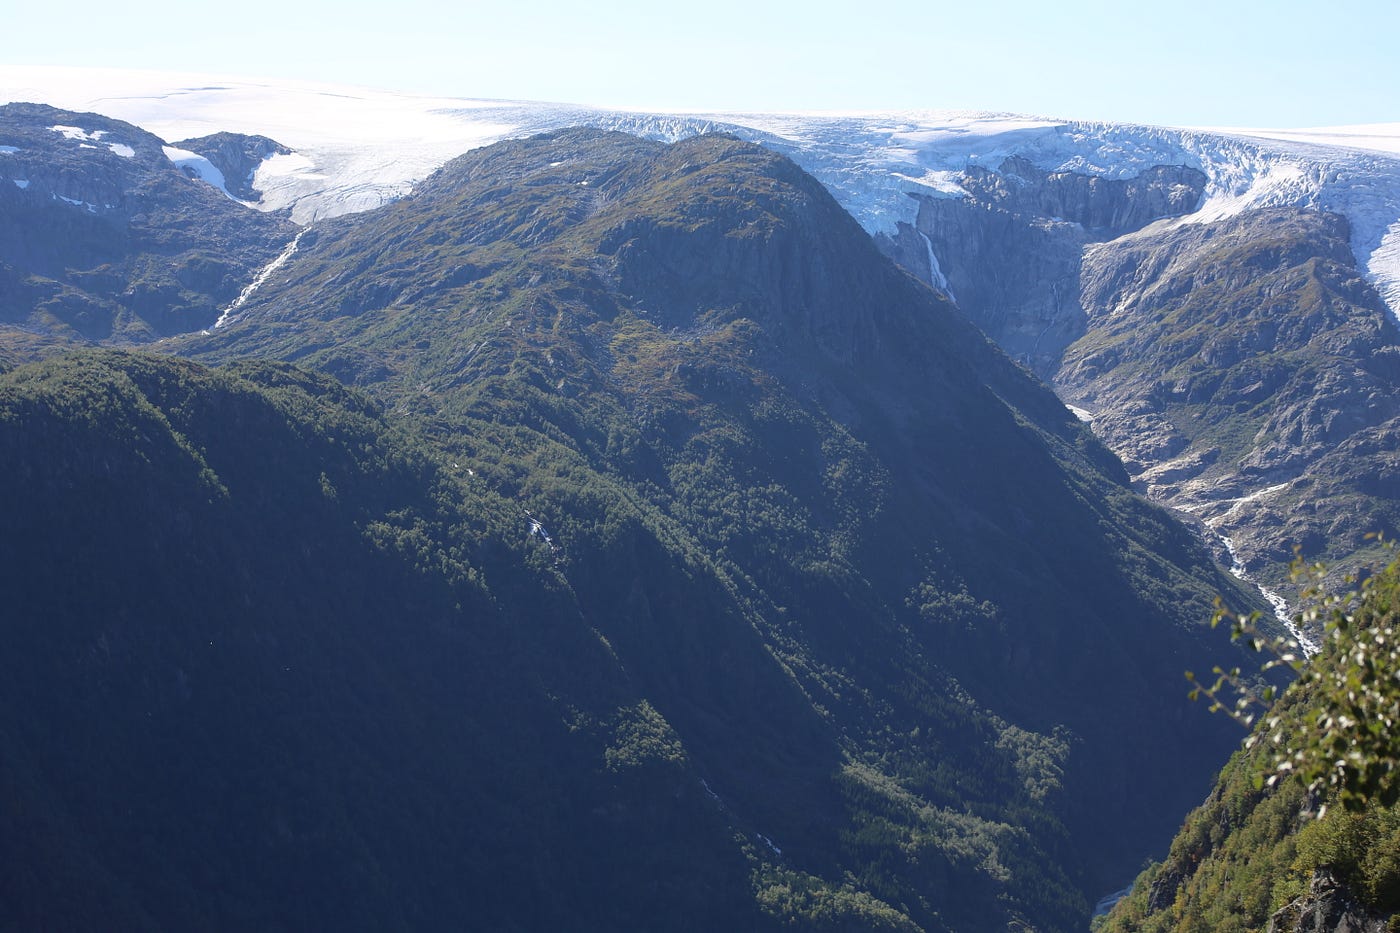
[(260, 278), (1238, 570)]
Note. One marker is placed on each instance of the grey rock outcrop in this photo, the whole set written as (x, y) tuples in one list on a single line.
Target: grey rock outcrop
[(1246, 374), (1242, 368), (237, 156), (1327, 908), (1104, 207), (1009, 252)]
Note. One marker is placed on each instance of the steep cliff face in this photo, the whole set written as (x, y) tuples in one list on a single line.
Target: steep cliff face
[(103, 238), (1104, 207), (1009, 251)]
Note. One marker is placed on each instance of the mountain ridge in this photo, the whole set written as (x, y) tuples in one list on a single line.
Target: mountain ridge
[(840, 593), (641, 333), (897, 173), (869, 161)]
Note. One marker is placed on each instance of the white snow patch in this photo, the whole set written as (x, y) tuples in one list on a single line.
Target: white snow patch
[(1083, 414), (91, 208), (8, 150), (280, 164), (202, 168), (369, 146), (945, 184), (21, 183), (1384, 266), (122, 149), (78, 133)]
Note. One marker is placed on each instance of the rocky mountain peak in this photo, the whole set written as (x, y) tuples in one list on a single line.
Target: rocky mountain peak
[(236, 156), (87, 162)]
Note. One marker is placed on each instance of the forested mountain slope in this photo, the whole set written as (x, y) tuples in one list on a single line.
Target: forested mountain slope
[(256, 678), (698, 335)]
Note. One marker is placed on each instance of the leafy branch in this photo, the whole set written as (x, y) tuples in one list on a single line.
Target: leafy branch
[(1340, 738)]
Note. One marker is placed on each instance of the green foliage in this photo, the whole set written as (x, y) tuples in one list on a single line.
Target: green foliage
[(642, 736), (1347, 745), (1362, 847), (364, 709), (1314, 788), (804, 901)]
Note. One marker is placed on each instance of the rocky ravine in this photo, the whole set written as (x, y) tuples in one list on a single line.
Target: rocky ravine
[(1249, 376), (1242, 367)]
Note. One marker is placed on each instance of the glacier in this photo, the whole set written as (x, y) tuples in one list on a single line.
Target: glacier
[(358, 148)]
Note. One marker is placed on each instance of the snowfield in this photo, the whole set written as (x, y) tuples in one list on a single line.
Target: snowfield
[(358, 148), (200, 167)]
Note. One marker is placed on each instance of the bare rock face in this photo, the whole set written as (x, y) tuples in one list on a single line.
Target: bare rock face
[(1104, 207), (1242, 368), (237, 156), (1009, 252), (1326, 908), (1246, 374)]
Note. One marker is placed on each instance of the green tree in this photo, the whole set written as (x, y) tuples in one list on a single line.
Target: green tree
[(1345, 743)]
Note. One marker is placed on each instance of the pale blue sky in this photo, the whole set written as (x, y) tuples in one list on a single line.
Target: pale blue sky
[(1188, 62)]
